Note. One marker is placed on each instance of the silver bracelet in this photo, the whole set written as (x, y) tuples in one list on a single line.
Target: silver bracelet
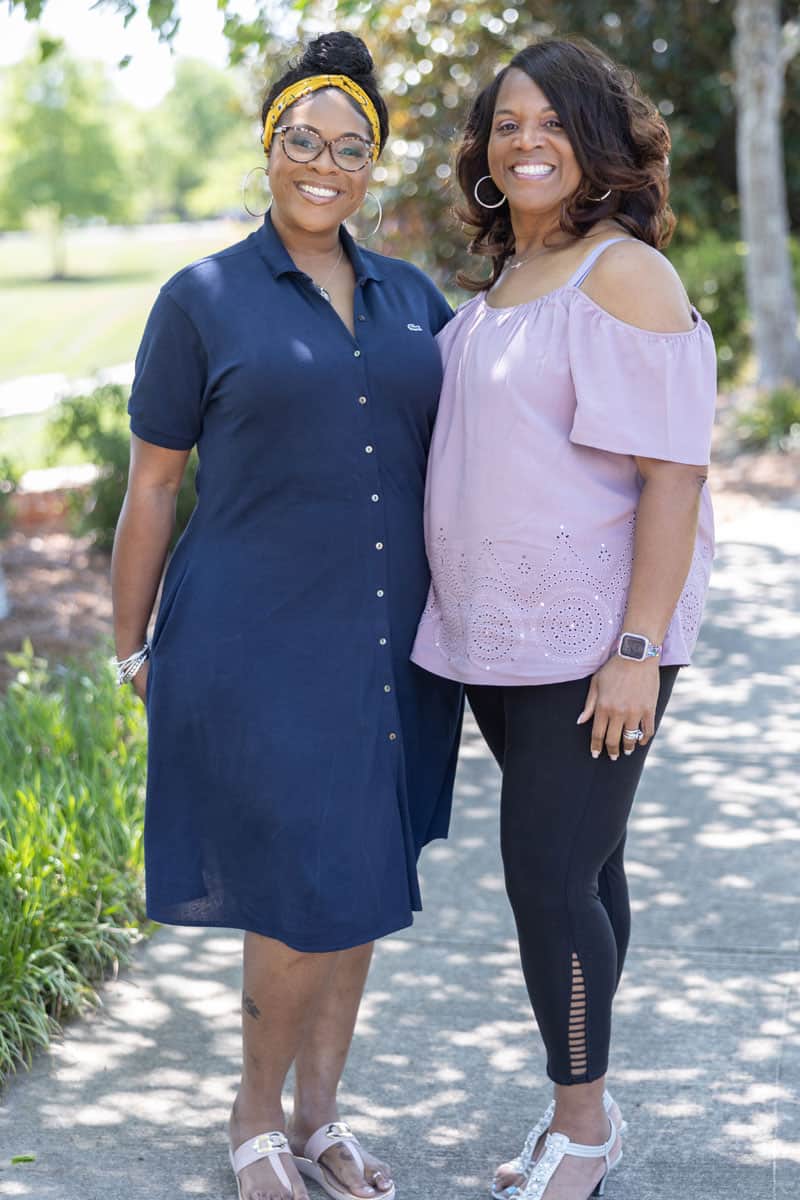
[(127, 667)]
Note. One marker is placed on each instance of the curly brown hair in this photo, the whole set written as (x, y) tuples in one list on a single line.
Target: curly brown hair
[(618, 137)]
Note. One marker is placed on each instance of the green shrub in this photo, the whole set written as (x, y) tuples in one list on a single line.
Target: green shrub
[(9, 481), (713, 272), (772, 420), (72, 766), (98, 424)]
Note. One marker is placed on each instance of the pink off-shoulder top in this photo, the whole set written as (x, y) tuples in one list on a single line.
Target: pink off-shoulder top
[(532, 484)]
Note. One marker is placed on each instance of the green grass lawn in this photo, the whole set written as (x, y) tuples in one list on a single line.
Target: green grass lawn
[(94, 318), (26, 442)]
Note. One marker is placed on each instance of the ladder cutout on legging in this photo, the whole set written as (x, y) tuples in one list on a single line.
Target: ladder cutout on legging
[(578, 1060)]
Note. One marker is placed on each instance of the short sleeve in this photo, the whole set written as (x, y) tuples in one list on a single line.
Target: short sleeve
[(165, 405), (639, 392)]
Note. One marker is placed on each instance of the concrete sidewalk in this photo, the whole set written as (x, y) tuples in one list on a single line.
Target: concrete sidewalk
[(446, 1073)]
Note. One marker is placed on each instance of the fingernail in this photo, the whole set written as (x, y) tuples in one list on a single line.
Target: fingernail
[(628, 753), (595, 754), (613, 757)]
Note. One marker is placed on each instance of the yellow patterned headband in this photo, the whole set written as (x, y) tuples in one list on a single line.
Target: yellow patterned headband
[(304, 88)]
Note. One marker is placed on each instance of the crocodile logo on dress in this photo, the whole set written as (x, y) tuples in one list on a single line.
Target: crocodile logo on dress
[(414, 328)]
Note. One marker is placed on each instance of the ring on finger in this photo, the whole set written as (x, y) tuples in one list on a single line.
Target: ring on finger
[(632, 735)]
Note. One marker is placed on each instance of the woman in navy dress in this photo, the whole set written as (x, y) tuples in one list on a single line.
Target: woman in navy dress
[(298, 761)]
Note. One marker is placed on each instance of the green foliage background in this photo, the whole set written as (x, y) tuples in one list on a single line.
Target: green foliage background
[(97, 424), (434, 57), (72, 756)]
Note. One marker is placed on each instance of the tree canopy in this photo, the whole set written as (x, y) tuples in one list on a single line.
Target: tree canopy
[(62, 159), (433, 57)]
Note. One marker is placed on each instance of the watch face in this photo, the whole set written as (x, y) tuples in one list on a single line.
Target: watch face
[(633, 646)]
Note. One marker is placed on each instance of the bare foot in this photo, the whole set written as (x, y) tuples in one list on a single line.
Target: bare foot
[(340, 1164)]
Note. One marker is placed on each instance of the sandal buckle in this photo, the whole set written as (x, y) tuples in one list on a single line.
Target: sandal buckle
[(266, 1143), (339, 1129)]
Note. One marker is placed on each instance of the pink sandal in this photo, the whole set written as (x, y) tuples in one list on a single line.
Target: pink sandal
[(308, 1163), (264, 1145)]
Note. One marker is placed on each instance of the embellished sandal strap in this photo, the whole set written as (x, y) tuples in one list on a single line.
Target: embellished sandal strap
[(554, 1151), (265, 1145), (331, 1135), (522, 1162)]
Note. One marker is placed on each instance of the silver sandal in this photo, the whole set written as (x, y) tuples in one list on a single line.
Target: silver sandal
[(557, 1146), (523, 1163)]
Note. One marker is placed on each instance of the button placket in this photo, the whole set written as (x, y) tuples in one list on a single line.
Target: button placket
[(373, 499)]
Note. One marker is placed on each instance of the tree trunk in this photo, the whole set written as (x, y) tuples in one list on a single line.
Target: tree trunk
[(58, 247), (760, 67)]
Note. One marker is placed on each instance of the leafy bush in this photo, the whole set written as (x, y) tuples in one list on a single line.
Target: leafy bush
[(72, 766), (9, 480), (98, 424), (712, 270), (772, 420)]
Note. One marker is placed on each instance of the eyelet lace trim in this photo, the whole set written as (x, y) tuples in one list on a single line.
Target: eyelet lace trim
[(566, 609)]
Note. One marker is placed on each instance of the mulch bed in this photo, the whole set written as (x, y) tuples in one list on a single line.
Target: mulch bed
[(60, 596)]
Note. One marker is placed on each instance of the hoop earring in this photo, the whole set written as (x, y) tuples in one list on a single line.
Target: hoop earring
[(245, 182), (599, 199), (500, 202), (364, 237)]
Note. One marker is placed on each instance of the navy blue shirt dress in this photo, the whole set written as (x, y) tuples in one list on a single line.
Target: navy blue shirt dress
[(298, 761)]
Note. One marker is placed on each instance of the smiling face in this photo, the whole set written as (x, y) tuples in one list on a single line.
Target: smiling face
[(318, 196), (530, 156)]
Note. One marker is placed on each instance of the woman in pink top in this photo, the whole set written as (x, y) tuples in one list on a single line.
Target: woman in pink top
[(569, 534)]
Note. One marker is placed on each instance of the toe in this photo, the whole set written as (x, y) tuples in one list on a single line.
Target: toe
[(341, 1163), (506, 1178)]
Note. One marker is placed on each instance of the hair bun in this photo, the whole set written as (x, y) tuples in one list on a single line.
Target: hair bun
[(337, 53)]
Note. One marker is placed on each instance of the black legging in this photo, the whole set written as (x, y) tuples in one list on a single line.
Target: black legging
[(562, 833)]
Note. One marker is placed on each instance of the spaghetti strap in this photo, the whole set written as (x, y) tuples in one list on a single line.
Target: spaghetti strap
[(591, 258)]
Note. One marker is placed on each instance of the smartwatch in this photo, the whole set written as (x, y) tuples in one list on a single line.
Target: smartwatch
[(637, 647)]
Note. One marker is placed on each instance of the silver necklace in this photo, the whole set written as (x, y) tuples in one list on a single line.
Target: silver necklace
[(322, 287), (515, 266)]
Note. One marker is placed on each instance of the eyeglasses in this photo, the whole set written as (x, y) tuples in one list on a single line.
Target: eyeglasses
[(303, 145)]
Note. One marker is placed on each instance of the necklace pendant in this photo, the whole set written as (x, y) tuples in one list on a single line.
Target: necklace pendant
[(324, 293)]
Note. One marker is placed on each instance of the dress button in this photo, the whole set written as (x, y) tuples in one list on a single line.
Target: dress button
[(361, 317), (387, 687), (362, 399), (375, 497), (368, 449), (379, 545), (381, 641), (392, 737), (356, 354), (379, 592)]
